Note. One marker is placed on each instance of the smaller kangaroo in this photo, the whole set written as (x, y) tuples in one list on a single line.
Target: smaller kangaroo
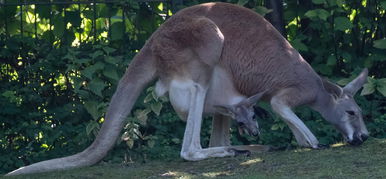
[(210, 58)]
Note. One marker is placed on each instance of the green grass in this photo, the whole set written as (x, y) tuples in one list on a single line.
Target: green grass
[(365, 161)]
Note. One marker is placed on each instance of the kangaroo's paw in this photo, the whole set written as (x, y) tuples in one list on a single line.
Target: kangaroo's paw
[(236, 152), (193, 155), (201, 154), (322, 146)]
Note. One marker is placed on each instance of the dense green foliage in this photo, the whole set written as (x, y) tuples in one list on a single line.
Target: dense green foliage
[(56, 77)]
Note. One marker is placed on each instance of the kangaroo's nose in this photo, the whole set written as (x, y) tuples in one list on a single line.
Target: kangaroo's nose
[(256, 133), (356, 141), (364, 137)]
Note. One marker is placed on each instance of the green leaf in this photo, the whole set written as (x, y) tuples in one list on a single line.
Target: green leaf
[(381, 86), (77, 83), (275, 127), (342, 23), (73, 17), (318, 1), (116, 31), (331, 61), (311, 14), (377, 57), (96, 54), (91, 127), (176, 140), (130, 143), (82, 93), (148, 98), (88, 14), (368, 88), (383, 4), (109, 11), (92, 108), (49, 36), (317, 14), (112, 60), (368, 62), (344, 81), (347, 56), (151, 143), (133, 4), (340, 3), (89, 71), (109, 50), (331, 3), (154, 94), (96, 86), (10, 95), (163, 99), (299, 45), (69, 56), (323, 14), (324, 69), (242, 2), (111, 72), (59, 25), (83, 60), (156, 108), (141, 115), (43, 11), (381, 44), (262, 10)]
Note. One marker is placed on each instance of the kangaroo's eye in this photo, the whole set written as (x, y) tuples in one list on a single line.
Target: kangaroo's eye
[(352, 113)]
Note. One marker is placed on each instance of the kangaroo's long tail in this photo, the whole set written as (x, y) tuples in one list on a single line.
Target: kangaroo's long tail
[(140, 72)]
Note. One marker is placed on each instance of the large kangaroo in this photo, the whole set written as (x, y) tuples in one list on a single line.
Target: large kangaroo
[(218, 54)]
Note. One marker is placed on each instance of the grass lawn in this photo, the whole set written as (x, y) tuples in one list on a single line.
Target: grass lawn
[(339, 161)]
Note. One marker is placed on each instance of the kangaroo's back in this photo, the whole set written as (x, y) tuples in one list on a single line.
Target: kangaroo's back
[(254, 52)]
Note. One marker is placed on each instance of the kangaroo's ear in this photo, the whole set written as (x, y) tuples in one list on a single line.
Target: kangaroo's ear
[(225, 110), (357, 83), (332, 88), (253, 99)]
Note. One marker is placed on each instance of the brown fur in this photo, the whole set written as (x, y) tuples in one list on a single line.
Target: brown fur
[(257, 65)]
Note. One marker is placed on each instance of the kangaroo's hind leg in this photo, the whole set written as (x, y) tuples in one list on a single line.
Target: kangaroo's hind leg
[(220, 135), (188, 50), (191, 146)]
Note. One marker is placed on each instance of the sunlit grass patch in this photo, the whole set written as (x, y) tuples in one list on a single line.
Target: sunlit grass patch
[(341, 144), (302, 150), (252, 161), (216, 174), (174, 174)]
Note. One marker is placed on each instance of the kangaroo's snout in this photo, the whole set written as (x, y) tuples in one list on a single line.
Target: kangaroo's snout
[(358, 140)]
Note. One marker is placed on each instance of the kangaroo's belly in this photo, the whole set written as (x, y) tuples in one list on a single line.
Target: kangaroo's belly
[(220, 91)]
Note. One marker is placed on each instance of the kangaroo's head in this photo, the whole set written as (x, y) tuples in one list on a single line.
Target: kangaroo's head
[(243, 113), (344, 113)]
